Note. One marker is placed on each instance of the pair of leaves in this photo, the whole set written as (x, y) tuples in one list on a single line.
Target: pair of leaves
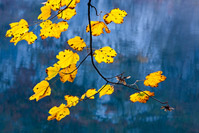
[(104, 90), (141, 97), (154, 78), (20, 31), (55, 5), (50, 29), (115, 15)]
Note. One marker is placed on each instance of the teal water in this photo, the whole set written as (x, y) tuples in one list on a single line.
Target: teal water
[(156, 35)]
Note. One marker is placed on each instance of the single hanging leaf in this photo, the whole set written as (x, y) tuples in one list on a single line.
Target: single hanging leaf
[(58, 113), (67, 58), (154, 78), (45, 12), (106, 90), (89, 94), (116, 16), (71, 100), (72, 4), (19, 31), (50, 29), (77, 43), (66, 75), (18, 28), (41, 90), (97, 28), (141, 97), (30, 37), (52, 71), (105, 54), (67, 14), (54, 4)]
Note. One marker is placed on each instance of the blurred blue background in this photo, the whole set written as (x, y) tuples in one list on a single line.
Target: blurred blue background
[(156, 35)]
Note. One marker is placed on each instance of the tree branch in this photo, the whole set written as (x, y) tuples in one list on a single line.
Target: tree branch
[(92, 60)]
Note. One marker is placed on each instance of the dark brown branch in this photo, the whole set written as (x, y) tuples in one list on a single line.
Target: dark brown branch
[(95, 10), (92, 61)]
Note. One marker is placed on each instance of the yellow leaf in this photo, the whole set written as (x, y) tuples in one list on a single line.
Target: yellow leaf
[(97, 28), (18, 28), (50, 29), (58, 112), (52, 71), (45, 12), (141, 97), (67, 14), (77, 43), (116, 16), (72, 4), (41, 90), (66, 75), (154, 78), (67, 58), (105, 54), (54, 4), (106, 90), (71, 100), (30, 37), (89, 94)]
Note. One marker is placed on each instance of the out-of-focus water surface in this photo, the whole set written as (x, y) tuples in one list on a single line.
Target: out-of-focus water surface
[(156, 35)]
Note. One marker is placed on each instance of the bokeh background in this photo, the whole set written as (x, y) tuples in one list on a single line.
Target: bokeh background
[(156, 35)]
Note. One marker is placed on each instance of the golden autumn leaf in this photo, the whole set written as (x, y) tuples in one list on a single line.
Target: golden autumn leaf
[(77, 43), (66, 75), (50, 29), (97, 28), (106, 90), (52, 71), (71, 100), (18, 28), (67, 2), (89, 94), (54, 4), (154, 78), (141, 97), (58, 112), (66, 58), (105, 54), (41, 90), (45, 12), (115, 15), (30, 37), (67, 14)]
